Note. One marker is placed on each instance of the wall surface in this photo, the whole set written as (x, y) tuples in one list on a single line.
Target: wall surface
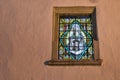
[(26, 36)]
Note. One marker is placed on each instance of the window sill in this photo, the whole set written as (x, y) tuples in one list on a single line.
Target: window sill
[(73, 62)]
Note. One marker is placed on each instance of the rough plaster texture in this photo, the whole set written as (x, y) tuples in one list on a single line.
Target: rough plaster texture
[(26, 36)]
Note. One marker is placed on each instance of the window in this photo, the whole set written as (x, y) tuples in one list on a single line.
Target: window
[(74, 38)]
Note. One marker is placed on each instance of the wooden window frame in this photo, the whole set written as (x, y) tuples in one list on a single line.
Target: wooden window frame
[(58, 11)]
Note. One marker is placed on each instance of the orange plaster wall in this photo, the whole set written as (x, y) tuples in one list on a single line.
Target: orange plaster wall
[(26, 36)]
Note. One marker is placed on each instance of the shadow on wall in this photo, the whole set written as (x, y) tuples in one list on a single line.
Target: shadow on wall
[(93, 1), (5, 55)]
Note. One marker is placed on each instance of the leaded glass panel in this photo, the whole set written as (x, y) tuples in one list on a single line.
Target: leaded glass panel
[(75, 38)]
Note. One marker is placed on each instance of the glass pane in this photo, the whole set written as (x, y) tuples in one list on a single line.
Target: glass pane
[(64, 20), (89, 26), (64, 27), (75, 39), (79, 20), (88, 20), (83, 20), (64, 34), (71, 20)]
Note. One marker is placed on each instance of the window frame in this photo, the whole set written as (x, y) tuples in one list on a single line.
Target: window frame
[(78, 10)]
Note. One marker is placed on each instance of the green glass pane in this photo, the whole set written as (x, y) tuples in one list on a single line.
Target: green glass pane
[(64, 27), (61, 27), (89, 32), (88, 41), (89, 35), (72, 20), (62, 35), (61, 50), (89, 26), (65, 41), (64, 20), (88, 20), (79, 20), (90, 50)]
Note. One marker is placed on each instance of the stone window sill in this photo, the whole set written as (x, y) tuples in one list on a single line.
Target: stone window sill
[(73, 62)]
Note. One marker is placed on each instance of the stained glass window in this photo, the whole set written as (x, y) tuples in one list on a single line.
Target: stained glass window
[(75, 38)]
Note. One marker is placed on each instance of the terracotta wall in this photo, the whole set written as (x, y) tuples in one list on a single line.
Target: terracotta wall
[(25, 41)]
